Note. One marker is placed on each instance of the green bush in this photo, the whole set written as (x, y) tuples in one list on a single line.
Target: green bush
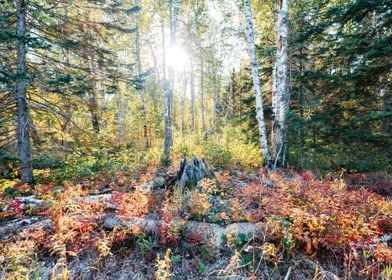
[(216, 154), (229, 146), (47, 161)]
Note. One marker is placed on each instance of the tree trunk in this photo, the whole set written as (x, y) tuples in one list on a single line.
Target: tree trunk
[(168, 142), (280, 89), (120, 117), (230, 99), (216, 102), (140, 79), (182, 113), (256, 84), (92, 94), (23, 133), (202, 107), (192, 82), (385, 103), (302, 111), (192, 171), (211, 233)]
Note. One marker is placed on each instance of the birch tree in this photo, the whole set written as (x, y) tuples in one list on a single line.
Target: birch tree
[(280, 94), (256, 84)]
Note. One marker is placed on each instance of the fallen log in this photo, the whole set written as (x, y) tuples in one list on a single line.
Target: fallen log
[(26, 201), (210, 231), (17, 226)]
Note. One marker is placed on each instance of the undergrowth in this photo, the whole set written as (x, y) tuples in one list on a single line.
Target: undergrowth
[(337, 219)]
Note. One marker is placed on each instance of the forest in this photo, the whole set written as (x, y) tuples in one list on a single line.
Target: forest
[(196, 139)]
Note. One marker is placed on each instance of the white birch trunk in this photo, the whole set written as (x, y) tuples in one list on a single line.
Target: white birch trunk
[(23, 133), (280, 89), (256, 84)]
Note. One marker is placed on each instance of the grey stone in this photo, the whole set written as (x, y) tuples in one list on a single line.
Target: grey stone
[(111, 222), (158, 182)]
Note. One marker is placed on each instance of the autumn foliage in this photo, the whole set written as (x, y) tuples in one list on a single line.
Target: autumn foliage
[(338, 217)]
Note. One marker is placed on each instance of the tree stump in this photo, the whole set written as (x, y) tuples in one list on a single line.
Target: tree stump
[(192, 171)]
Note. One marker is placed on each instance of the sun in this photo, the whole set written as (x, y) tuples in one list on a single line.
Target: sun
[(177, 58)]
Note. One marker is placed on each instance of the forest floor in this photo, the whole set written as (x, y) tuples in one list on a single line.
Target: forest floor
[(235, 225)]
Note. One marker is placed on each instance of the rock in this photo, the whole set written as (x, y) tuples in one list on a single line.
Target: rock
[(111, 222), (192, 171), (386, 238), (240, 183), (105, 199), (158, 182), (30, 200), (99, 197), (146, 187)]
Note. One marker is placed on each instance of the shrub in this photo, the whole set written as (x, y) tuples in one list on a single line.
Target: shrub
[(228, 146)]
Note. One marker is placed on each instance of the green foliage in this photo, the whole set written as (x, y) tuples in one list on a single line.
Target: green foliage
[(81, 164), (47, 161), (229, 146), (146, 244)]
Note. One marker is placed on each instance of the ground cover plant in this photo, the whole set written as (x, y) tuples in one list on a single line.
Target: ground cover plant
[(318, 227)]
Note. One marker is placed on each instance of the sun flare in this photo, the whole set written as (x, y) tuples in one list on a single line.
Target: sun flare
[(177, 58)]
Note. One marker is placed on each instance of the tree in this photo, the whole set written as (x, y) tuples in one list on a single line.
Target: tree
[(23, 117), (168, 88), (140, 86), (63, 77), (280, 89), (256, 84)]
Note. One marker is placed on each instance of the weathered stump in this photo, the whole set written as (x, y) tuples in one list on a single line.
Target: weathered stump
[(192, 171)]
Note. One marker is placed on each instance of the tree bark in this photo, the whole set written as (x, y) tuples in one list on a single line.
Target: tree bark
[(280, 88), (120, 116), (169, 82), (202, 107), (302, 111), (256, 84), (216, 103), (182, 113), (385, 97), (192, 171), (192, 84), (211, 233), (93, 105), (140, 80), (23, 133)]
